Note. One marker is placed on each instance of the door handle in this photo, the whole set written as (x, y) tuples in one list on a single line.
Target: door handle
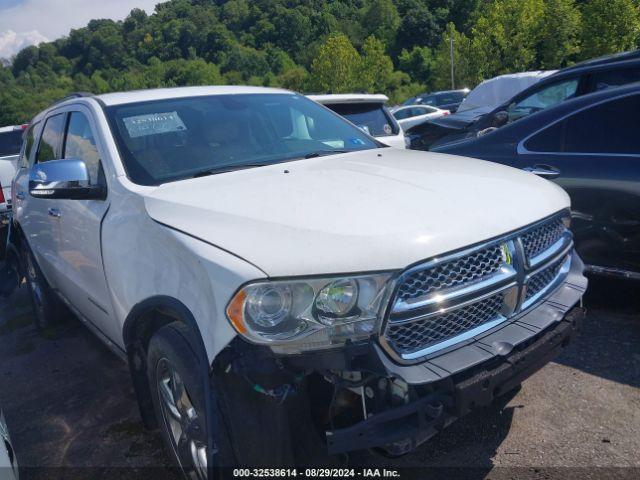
[(54, 212), (20, 195), (546, 171)]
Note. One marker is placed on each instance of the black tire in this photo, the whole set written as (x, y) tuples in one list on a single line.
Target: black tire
[(47, 307), (173, 366), (4, 230), (252, 430)]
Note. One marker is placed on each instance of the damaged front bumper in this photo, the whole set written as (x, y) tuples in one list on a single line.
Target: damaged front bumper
[(469, 376)]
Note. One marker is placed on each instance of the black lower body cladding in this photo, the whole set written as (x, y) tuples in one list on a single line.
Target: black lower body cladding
[(403, 428)]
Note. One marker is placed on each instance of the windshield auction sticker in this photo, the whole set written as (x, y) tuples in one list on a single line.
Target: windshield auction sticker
[(153, 124)]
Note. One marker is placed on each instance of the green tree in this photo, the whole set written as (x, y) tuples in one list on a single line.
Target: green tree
[(609, 26), (505, 35), (418, 63), (467, 66), (336, 66), (376, 67), (560, 34), (381, 19)]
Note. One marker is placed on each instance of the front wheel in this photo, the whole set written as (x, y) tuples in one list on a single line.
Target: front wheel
[(179, 399)]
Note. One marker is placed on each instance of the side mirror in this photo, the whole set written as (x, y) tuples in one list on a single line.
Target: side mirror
[(63, 179), (500, 118)]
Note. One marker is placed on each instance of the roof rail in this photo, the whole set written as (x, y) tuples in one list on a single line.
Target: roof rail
[(73, 95)]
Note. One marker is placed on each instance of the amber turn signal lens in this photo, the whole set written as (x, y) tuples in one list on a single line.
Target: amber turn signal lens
[(235, 312)]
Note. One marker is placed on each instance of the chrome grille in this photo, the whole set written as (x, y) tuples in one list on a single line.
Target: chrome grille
[(542, 237), (451, 274), (410, 337), (457, 296), (541, 280)]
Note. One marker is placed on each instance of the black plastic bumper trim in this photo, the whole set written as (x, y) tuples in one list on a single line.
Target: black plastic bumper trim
[(421, 419)]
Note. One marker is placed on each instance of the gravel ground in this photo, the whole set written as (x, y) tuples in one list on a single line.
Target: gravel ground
[(69, 404)]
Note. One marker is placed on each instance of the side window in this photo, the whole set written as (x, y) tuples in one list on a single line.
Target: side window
[(29, 141), (607, 128), (51, 140), (402, 114), (611, 127), (81, 144), (544, 98), (548, 140), (615, 78)]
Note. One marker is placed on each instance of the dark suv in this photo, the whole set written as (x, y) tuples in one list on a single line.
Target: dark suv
[(590, 146), (445, 99), (580, 79)]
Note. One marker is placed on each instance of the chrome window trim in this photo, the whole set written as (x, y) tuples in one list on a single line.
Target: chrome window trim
[(522, 150), (523, 271)]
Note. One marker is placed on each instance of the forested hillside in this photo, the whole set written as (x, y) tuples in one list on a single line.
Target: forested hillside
[(399, 47)]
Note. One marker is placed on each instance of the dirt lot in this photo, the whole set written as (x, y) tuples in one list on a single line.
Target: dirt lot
[(69, 404)]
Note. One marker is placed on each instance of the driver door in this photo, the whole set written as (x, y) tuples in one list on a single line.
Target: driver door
[(81, 277)]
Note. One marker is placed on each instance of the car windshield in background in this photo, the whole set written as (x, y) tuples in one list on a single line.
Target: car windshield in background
[(175, 139), (442, 98), (369, 117), (10, 143)]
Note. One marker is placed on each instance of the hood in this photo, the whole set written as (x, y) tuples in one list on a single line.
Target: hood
[(461, 120), (378, 209)]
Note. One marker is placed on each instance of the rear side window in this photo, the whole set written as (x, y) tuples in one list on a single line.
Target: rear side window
[(402, 114), (611, 127), (370, 117), (51, 141), (615, 78), (10, 143), (80, 144)]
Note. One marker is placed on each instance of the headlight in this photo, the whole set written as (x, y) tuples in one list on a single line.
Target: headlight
[(296, 315)]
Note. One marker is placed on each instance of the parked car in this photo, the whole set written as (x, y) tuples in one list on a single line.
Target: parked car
[(8, 462), (483, 99), (444, 100), (587, 77), (10, 143), (589, 146), (367, 112), (408, 116), (258, 260)]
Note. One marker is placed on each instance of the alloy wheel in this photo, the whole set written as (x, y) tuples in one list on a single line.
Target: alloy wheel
[(182, 421)]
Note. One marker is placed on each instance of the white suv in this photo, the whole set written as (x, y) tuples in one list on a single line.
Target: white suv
[(10, 144), (269, 271), (367, 112)]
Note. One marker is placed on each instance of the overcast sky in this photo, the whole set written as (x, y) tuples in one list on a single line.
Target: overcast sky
[(28, 22)]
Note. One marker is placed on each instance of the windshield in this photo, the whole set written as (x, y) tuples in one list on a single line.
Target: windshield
[(10, 143), (369, 117), (438, 99), (174, 139)]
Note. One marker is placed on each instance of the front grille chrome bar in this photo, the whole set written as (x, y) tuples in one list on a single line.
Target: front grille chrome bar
[(451, 299)]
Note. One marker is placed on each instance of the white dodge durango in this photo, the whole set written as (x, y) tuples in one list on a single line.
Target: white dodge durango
[(276, 277)]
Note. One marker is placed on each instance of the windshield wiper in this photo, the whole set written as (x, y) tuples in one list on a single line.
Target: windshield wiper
[(322, 153), (227, 168)]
